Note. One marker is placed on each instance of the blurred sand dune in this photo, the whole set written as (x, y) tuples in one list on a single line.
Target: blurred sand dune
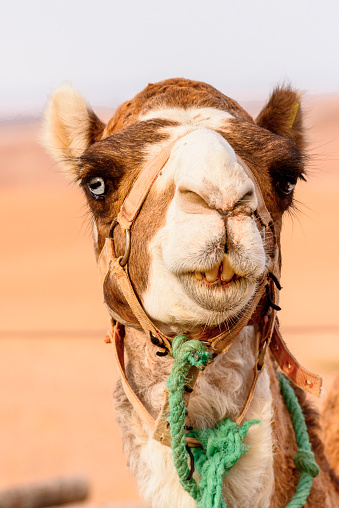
[(56, 373)]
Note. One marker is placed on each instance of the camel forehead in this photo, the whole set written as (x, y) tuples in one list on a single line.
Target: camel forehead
[(209, 117), (202, 145), (204, 154), (203, 161), (198, 149)]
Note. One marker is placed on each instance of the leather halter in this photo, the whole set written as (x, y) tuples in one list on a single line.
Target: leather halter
[(268, 333)]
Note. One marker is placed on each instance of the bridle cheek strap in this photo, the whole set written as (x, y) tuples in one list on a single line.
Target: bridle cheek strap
[(141, 187), (110, 265)]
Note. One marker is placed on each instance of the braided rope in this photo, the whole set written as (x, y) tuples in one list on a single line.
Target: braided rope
[(304, 459), (184, 353)]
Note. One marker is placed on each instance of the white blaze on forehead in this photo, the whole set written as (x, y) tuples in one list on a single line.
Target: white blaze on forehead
[(207, 117), (190, 118)]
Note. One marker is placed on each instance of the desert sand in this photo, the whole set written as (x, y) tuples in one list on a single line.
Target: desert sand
[(56, 373)]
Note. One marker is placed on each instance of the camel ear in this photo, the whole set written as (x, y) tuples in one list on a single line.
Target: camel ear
[(70, 127), (282, 115)]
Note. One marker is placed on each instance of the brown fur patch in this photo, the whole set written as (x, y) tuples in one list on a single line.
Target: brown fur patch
[(178, 93), (95, 127), (271, 158)]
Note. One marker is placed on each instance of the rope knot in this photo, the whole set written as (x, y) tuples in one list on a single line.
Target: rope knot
[(304, 461), (224, 443), (190, 352), (200, 359), (221, 448)]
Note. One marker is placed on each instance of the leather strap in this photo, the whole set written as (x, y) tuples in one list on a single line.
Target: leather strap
[(262, 211), (263, 338), (109, 264), (117, 341), (258, 368), (290, 366), (141, 187)]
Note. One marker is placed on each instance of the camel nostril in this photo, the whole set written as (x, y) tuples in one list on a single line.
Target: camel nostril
[(248, 195), (191, 202), (246, 204), (248, 198)]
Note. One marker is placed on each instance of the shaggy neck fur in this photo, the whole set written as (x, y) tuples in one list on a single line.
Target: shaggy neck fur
[(220, 392)]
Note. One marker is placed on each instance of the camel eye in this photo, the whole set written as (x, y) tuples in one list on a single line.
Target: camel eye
[(98, 187), (286, 187)]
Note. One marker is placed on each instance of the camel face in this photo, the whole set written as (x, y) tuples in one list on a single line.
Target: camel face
[(208, 256), (202, 245), (198, 249)]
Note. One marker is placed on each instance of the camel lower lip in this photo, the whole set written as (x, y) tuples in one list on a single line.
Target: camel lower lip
[(219, 296)]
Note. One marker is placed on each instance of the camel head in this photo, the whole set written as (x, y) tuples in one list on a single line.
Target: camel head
[(198, 248)]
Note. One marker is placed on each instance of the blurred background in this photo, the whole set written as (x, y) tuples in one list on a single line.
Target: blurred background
[(56, 373)]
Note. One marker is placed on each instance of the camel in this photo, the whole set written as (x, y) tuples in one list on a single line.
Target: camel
[(187, 193)]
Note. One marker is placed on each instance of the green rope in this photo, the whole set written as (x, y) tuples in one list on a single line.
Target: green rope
[(223, 446), (304, 459)]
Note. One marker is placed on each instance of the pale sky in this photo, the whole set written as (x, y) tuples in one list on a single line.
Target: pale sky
[(111, 49)]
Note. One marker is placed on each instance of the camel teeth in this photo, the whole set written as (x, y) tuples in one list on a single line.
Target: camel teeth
[(212, 274), (198, 275), (227, 270)]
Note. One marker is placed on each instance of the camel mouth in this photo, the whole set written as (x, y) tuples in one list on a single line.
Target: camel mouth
[(220, 296), (225, 287)]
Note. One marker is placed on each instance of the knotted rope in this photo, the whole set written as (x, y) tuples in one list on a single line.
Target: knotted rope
[(223, 446), (304, 459)]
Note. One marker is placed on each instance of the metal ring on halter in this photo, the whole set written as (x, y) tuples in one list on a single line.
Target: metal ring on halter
[(123, 260)]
